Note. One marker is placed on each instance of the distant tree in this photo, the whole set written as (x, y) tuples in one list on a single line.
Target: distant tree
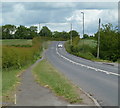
[(57, 34), (33, 31), (45, 31), (33, 28), (65, 35), (21, 33), (74, 33), (8, 31), (85, 36)]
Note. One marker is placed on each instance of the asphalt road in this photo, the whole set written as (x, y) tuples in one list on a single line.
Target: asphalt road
[(98, 79)]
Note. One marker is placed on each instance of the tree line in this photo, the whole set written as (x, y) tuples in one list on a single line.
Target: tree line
[(109, 38), (22, 32)]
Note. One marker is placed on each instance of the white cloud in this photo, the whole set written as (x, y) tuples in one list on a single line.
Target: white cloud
[(60, 1), (56, 13), (91, 19)]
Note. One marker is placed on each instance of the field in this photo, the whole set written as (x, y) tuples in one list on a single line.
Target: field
[(16, 42)]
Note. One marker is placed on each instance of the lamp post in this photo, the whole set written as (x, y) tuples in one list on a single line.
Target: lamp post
[(71, 33), (98, 49), (83, 29)]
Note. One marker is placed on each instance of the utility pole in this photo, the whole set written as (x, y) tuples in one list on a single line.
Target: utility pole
[(83, 30), (71, 34), (39, 27), (98, 49)]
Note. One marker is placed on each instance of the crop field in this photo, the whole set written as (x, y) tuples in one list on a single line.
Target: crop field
[(16, 42)]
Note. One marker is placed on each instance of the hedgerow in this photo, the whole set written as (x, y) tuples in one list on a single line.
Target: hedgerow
[(16, 57)]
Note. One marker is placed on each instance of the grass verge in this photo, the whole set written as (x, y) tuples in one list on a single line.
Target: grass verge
[(88, 47), (46, 74), (10, 80)]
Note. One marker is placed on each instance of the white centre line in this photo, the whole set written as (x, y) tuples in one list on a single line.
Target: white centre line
[(89, 67)]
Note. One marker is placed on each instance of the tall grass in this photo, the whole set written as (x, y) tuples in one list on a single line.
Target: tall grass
[(83, 48), (14, 61), (16, 57)]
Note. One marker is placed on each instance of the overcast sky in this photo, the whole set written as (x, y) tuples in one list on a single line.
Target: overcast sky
[(59, 15)]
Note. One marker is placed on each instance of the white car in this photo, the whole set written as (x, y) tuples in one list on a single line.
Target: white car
[(60, 45)]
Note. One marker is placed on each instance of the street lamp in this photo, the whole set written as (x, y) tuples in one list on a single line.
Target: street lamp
[(98, 49), (71, 34), (83, 29)]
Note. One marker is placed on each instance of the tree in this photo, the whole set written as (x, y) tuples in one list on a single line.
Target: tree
[(45, 32), (21, 33), (74, 33), (65, 35), (8, 31), (109, 42), (85, 36), (33, 31)]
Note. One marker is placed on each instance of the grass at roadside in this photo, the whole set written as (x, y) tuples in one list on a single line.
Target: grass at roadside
[(90, 42), (10, 79), (46, 74), (78, 49), (14, 61), (85, 49)]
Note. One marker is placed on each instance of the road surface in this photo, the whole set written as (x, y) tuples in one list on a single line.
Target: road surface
[(99, 80)]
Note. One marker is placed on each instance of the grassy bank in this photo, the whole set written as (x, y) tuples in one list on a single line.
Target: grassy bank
[(46, 74), (82, 48)]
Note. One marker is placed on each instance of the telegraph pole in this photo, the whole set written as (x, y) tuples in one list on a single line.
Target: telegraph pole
[(98, 49), (39, 27), (71, 34)]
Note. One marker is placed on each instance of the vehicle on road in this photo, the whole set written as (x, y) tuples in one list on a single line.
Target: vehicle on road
[(60, 45)]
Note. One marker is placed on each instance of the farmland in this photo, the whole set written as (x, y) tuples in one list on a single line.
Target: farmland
[(16, 42)]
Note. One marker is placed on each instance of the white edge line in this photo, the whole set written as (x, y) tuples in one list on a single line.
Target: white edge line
[(89, 67), (94, 100)]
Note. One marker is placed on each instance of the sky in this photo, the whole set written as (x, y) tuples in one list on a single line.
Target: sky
[(59, 15)]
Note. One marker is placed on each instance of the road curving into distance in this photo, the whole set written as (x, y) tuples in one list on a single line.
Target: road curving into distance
[(97, 79)]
